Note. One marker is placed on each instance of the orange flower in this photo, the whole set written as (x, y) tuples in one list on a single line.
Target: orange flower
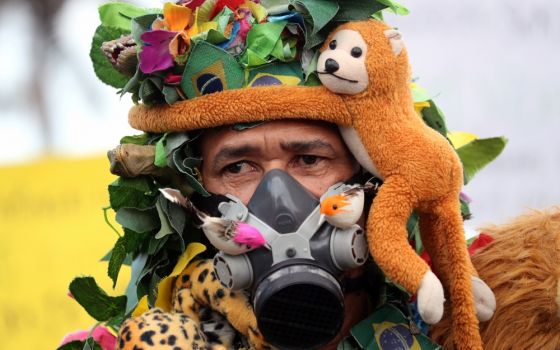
[(179, 19)]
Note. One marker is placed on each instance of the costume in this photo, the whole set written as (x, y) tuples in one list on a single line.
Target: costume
[(210, 63)]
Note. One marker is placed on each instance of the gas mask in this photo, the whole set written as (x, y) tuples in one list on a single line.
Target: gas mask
[(294, 279)]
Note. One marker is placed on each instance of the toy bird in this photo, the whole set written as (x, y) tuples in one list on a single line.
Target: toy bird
[(229, 236), (345, 209)]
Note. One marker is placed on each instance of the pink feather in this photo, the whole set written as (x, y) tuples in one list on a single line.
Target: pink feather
[(248, 235)]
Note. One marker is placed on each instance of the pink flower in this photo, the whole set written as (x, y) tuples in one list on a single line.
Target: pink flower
[(100, 334)]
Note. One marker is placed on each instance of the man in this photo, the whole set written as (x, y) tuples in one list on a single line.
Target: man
[(313, 153)]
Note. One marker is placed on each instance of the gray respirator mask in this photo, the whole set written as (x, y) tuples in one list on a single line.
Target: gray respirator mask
[(294, 280)]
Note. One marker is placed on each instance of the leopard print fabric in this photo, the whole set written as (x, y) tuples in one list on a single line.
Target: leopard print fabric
[(205, 316)]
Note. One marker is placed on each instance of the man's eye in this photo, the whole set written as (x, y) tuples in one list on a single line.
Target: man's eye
[(309, 159), (238, 167)]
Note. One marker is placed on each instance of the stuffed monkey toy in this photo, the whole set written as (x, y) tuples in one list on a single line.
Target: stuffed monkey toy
[(365, 73)]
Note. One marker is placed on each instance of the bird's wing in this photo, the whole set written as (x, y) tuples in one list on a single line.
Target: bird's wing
[(175, 196), (367, 187)]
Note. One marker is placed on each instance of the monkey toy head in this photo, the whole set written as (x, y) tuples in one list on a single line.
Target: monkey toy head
[(363, 57)]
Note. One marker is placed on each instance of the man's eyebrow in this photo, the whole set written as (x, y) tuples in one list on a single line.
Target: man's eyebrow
[(307, 146), (231, 152)]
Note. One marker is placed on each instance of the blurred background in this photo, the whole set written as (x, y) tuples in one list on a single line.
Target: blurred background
[(495, 67)]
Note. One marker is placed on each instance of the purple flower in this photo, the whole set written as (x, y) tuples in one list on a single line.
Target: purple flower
[(155, 54)]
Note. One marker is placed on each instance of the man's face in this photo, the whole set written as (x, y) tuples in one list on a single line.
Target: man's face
[(313, 153)]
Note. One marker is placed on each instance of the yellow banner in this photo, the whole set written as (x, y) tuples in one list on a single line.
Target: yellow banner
[(51, 230)]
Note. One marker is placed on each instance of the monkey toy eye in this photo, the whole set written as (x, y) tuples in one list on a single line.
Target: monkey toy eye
[(356, 52), (332, 45)]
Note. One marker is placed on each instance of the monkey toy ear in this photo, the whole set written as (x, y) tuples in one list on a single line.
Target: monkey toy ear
[(395, 39)]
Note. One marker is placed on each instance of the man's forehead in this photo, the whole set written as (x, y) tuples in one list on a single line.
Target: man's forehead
[(286, 134)]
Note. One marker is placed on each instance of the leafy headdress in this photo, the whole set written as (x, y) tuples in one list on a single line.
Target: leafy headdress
[(187, 51)]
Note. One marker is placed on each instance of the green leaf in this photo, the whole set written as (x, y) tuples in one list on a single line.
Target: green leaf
[(165, 228), (170, 94), (434, 118), (141, 139), (420, 94), (116, 322), (160, 157), (120, 14), (395, 7), (358, 9), (155, 244), (414, 232), (320, 11), (81, 345), (477, 154), (465, 210), (136, 269), (91, 344), (141, 24), (117, 258), (187, 167), (275, 7), (133, 84), (133, 240), (261, 41), (138, 220), (101, 65), (95, 301), (150, 91), (73, 345), (153, 288), (136, 192)]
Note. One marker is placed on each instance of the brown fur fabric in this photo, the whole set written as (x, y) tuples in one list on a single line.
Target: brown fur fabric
[(242, 105), (522, 266)]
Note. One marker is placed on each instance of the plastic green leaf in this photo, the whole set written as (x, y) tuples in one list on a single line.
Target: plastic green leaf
[(133, 240), (435, 119), (223, 18), (138, 220), (160, 157), (141, 139), (320, 11), (88, 344), (465, 210), (420, 94), (395, 7), (117, 258), (165, 227), (414, 232), (95, 301), (479, 153), (136, 269), (101, 65), (244, 126), (275, 7), (378, 16), (150, 91), (119, 14), (141, 24), (155, 244), (134, 192), (358, 9), (170, 94), (215, 37), (261, 41), (186, 166), (204, 11)]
